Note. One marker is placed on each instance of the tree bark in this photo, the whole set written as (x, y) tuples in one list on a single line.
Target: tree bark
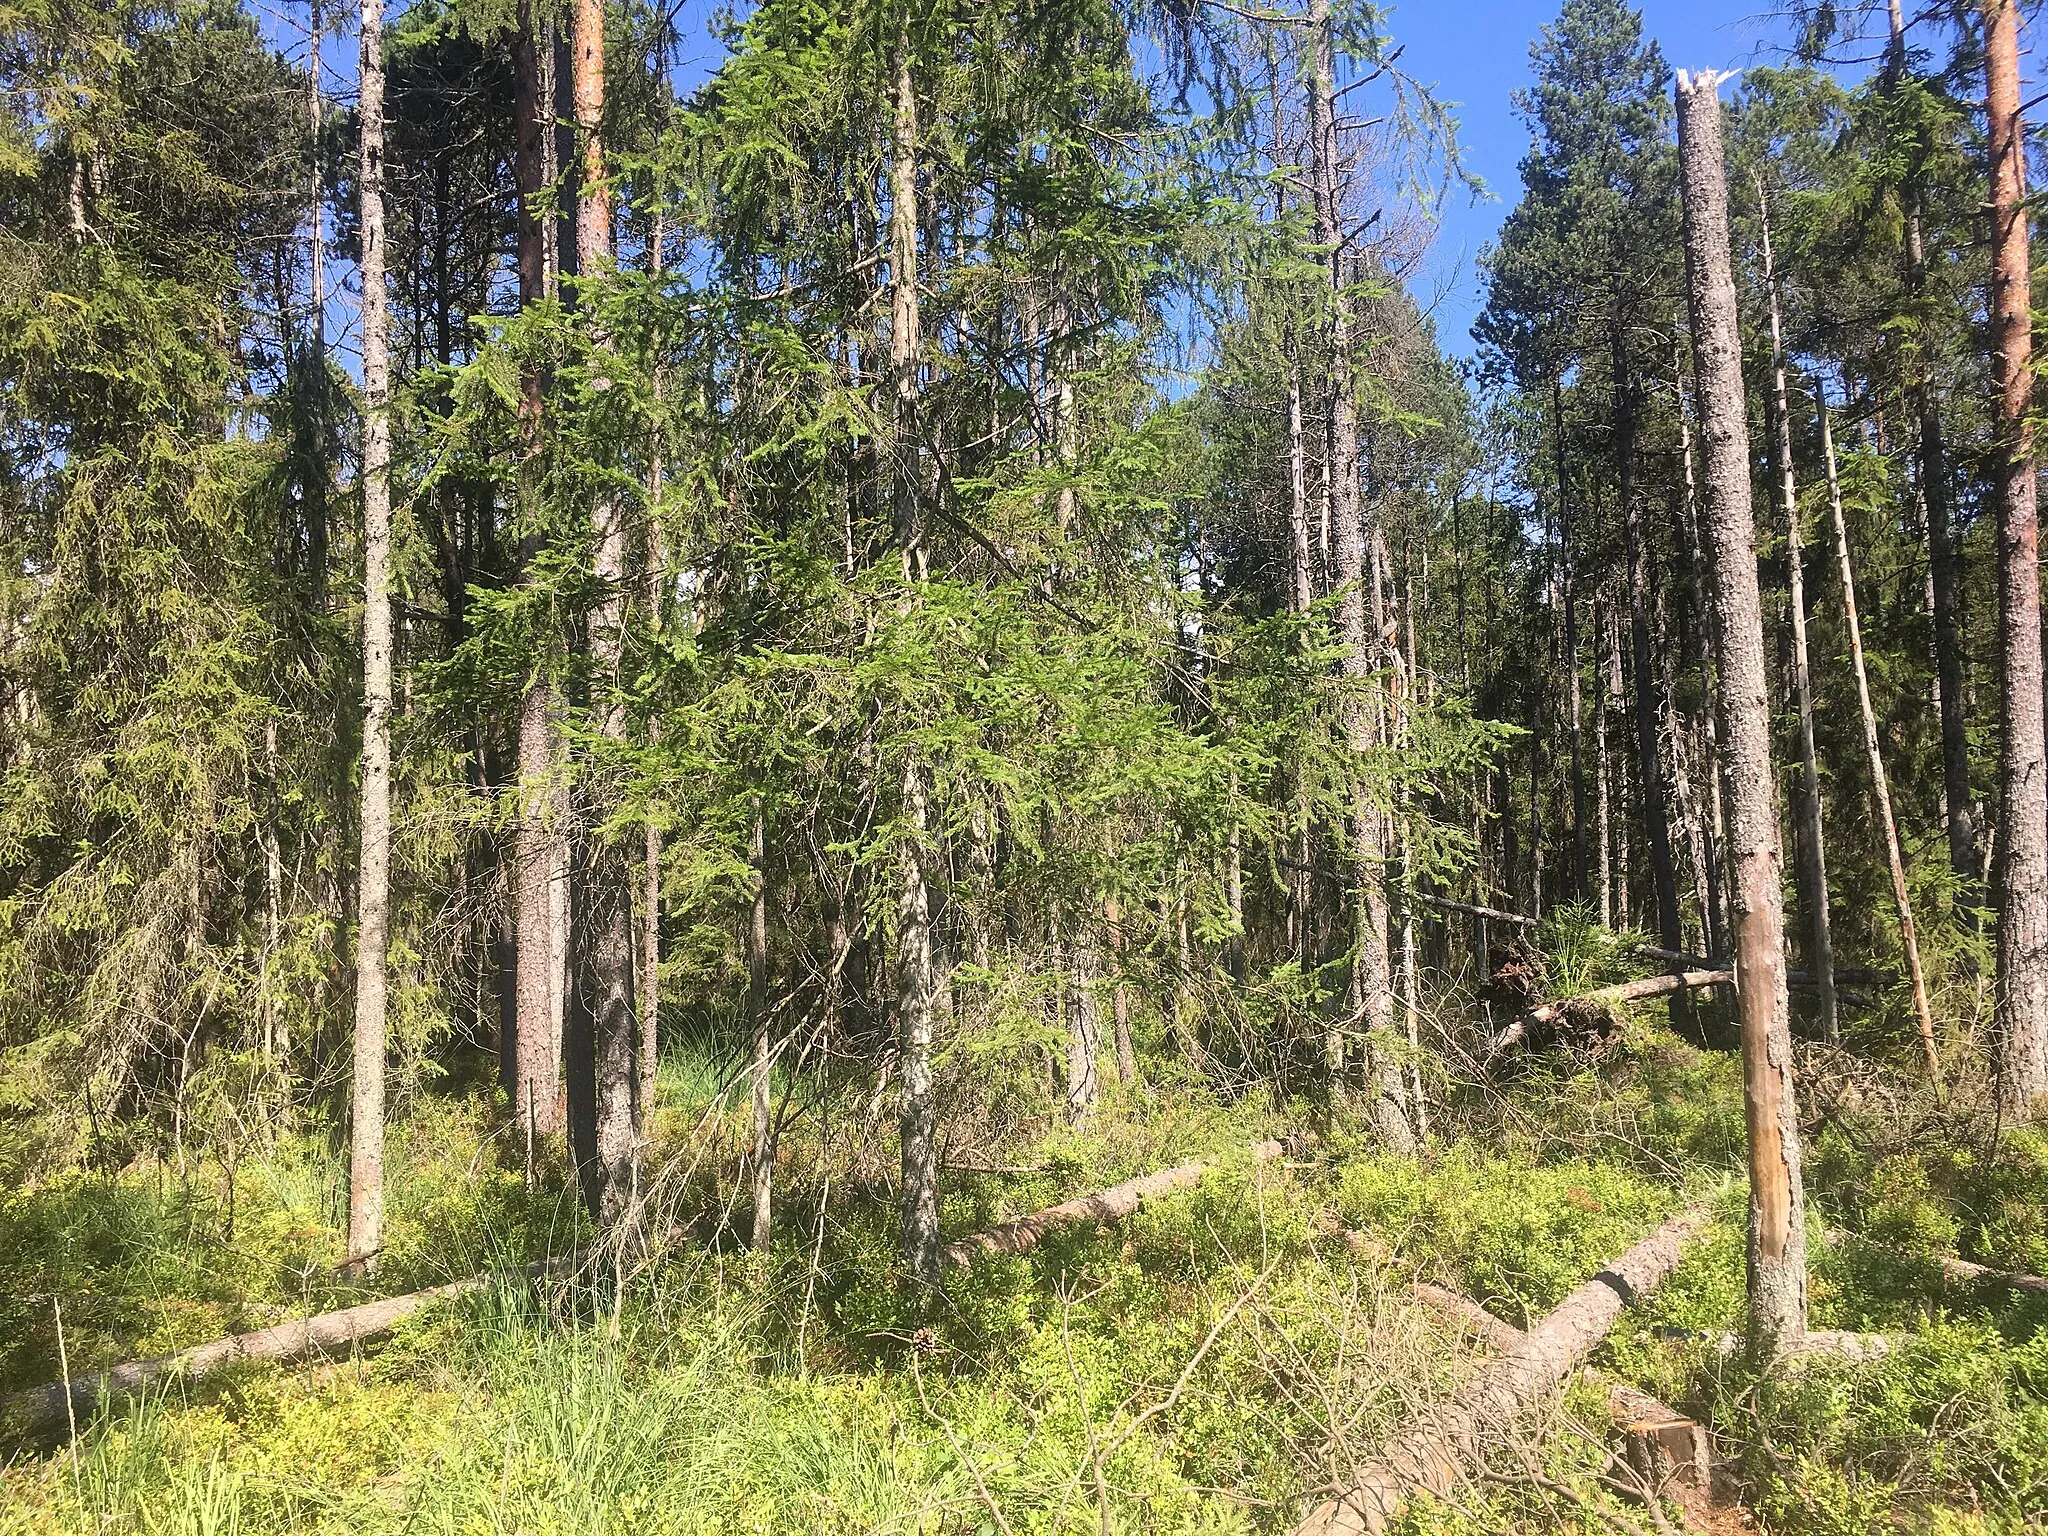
[(2023, 765), (606, 1022), (1812, 841), (917, 981), (315, 363), (1944, 577), (1625, 992), (1568, 600), (1373, 971), (656, 579), (1112, 1204), (1715, 918), (1909, 941), (1084, 1033), (1656, 788), (373, 879), (1119, 997), (1777, 1218), (764, 1044), (1433, 1454), (535, 1076)]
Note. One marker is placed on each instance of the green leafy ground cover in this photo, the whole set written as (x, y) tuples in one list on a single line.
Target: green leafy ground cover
[(1207, 1365)]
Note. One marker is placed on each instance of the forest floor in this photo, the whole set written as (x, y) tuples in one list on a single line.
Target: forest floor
[(1209, 1364)]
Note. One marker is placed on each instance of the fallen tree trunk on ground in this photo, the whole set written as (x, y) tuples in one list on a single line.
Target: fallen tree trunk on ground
[(62, 1402), (1962, 1271), (1436, 1452), (1627, 992), (1671, 1452), (1119, 1200)]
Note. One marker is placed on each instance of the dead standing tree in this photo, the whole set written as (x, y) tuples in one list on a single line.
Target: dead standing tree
[(373, 889), (1777, 1220)]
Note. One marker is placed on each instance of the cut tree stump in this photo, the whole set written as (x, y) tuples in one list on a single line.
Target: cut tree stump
[(1670, 1452), (1114, 1203), (1435, 1452)]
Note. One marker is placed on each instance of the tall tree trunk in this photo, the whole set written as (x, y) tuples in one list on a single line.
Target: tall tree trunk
[(1603, 769), (656, 581), (1084, 1034), (373, 879), (2022, 766), (1568, 600), (1348, 546), (1715, 917), (1777, 1214), (1923, 403), (1812, 841), (1119, 996), (917, 979), (1909, 941), (315, 362), (602, 920), (1656, 788), (537, 854), (764, 1043)]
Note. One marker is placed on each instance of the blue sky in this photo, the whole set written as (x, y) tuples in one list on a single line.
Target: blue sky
[(1476, 53)]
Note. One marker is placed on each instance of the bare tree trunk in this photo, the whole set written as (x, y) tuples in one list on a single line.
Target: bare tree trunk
[(1603, 814), (1777, 1215), (1300, 571), (373, 879), (1716, 915), (2023, 765), (1568, 599), (1812, 841), (1373, 973), (1943, 576), (917, 981), (764, 1044), (1119, 997), (535, 1079), (1656, 788), (1084, 1035), (315, 363), (1908, 939), (656, 580), (602, 904)]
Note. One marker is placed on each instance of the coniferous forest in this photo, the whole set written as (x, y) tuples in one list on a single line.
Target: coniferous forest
[(857, 786)]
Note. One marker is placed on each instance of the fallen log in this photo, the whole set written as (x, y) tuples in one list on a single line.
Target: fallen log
[(1671, 1452), (1472, 909), (1434, 1453), (1963, 1271), (1626, 992), (62, 1402), (1119, 1200)]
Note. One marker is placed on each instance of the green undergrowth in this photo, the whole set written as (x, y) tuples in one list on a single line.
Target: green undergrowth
[(1208, 1364)]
